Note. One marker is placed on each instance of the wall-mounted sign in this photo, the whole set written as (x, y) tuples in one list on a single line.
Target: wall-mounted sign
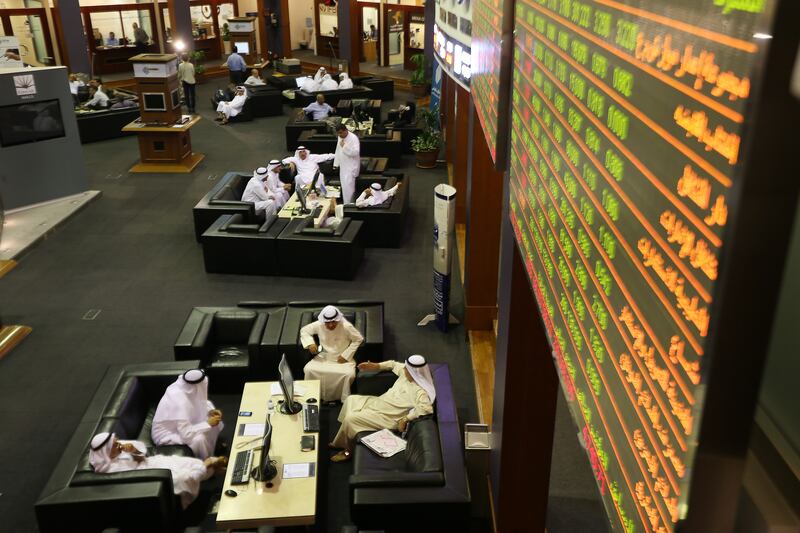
[(10, 56)]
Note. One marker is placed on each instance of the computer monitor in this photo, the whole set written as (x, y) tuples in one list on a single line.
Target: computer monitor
[(266, 469), (301, 198), (242, 47), (289, 406)]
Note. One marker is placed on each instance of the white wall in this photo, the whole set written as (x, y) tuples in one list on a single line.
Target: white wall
[(299, 11)]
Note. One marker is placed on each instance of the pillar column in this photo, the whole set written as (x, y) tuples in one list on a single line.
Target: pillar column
[(180, 23), (349, 34), (460, 152), (525, 395), (430, 19), (73, 41), (484, 204)]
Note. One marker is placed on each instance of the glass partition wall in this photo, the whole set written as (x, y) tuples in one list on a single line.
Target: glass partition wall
[(112, 33), (209, 26)]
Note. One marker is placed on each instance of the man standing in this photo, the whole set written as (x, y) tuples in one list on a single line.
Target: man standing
[(348, 159), (186, 75), (333, 362), (318, 109), (257, 191), (186, 416), (306, 165), (140, 38), (236, 66), (411, 397)]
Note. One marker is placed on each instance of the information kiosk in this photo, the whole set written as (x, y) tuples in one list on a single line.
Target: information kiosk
[(165, 143), (243, 36)]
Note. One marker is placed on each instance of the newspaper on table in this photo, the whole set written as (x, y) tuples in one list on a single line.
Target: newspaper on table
[(384, 443)]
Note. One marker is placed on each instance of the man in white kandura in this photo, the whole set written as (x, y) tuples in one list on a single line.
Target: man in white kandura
[(321, 72), (411, 397), (107, 454), (344, 81), (306, 164), (275, 185), (333, 362), (227, 110), (258, 191), (348, 159), (186, 416), (328, 83), (375, 195)]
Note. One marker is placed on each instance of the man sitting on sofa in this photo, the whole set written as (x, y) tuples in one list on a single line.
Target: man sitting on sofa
[(306, 165), (276, 186), (375, 195), (411, 397), (227, 110), (185, 415), (319, 109), (259, 192), (332, 363)]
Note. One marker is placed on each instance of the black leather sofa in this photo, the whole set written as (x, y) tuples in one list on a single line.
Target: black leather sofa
[(383, 225), (309, 252), (233, 344), (234, 245), (282, 82), (264, 101), (382, 88), (78, 499), (423, 488), (105, 124), (223, 199), (387, 144), (365, 315), (303, 98)]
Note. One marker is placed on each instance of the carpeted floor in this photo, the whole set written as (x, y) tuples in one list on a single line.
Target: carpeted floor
[(132, 255)]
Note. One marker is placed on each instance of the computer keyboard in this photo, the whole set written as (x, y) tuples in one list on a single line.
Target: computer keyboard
[(310, 417), (241, 467)]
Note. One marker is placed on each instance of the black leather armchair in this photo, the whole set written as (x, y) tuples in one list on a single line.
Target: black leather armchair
[(365, 315), (424, 488), (298, 123), (382, 88), (302, 248), (233, 344), (264, 101), (233, 246), (78, 499), (245, 115), (383, 225), (225, 198)]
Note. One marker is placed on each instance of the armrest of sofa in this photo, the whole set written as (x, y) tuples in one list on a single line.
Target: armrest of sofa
[(186, 345), (374, 383), (254, 341), (397, 479), (160, 475)]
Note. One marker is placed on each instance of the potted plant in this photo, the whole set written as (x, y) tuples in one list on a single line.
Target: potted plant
[(226, 39), (197, 57), (427, 144), (420, 80)]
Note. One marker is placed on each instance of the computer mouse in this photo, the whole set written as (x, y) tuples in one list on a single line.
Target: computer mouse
[(232, 493), (311, 400)]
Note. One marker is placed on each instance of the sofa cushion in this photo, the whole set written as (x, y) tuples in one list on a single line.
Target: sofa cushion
[(423, 451), (233, 327), (365, 461), (225, 194), (129, 405)]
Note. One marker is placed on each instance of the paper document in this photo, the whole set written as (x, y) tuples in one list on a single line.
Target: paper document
[(275, 390), (384, 443), (297, 470), (251, 430)]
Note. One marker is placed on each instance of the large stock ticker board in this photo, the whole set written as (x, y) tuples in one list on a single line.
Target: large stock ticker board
[(626, 142), (489, 98)]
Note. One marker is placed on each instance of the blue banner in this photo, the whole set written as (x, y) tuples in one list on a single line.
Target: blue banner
[(441, 299), (436, 85)]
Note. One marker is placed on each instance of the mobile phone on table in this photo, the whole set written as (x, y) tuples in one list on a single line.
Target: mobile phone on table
[(245, 413), (306, 443)]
